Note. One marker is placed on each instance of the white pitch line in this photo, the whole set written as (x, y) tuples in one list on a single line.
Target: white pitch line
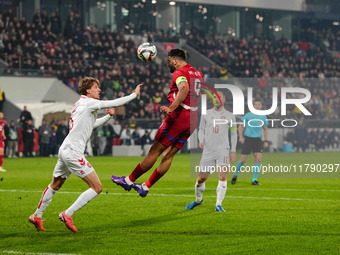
[(254, 189), (35, 253), (178, 195)]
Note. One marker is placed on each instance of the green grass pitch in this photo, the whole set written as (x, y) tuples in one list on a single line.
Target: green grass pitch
[(283, 216)]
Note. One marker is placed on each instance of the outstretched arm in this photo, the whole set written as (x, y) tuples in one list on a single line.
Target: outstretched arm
[(103, 120), (119, 101)]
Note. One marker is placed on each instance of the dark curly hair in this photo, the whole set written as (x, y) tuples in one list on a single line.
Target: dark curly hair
[(178, 53)]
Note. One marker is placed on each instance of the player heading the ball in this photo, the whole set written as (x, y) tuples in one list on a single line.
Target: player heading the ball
[(175, 130)]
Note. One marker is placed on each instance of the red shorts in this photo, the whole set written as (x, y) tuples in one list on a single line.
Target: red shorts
[(2, 144), (177, 128)]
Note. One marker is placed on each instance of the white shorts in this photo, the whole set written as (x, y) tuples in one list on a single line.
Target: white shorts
[(70, 161), (214, 162)]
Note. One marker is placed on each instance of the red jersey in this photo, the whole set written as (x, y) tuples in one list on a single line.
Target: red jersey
[(2, 127), (194, 78), (179, 124)]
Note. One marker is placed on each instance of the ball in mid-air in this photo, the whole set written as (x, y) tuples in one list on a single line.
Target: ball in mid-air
[(147, 52)]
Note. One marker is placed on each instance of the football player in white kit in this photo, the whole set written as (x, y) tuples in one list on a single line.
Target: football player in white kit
[(71, 157), (214, 140)]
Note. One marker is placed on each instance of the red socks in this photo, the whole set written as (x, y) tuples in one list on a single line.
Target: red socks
[(1, 160), (153, 178), (136, 173), (140, 171)]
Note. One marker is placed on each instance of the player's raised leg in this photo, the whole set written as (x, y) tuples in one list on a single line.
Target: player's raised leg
[(46, 198), (95, 188), (127, 182), (158, 173)]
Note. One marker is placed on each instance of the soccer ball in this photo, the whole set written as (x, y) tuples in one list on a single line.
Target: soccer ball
[(147, 52)]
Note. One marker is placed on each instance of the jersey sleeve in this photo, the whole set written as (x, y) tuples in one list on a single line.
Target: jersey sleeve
[(179, 77), (244, 118), (233, 135), (95, 104), (233, 120), (265, 121), (102, 120), (201, 130)]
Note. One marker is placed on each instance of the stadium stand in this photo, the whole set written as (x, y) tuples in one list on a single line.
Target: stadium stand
[(43, 48)]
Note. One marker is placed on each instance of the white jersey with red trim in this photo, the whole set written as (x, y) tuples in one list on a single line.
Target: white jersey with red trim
[(84, 119), (216, 137)]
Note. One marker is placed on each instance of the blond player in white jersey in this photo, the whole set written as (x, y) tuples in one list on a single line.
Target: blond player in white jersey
[(214, 140), (71, 157)]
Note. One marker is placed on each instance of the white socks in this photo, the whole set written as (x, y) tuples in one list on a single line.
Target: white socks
[(128, 181), (199, 189), (82, 200), (45, 200), (221, 190)]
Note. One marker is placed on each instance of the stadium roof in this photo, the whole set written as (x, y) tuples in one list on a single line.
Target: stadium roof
[(289, 5)]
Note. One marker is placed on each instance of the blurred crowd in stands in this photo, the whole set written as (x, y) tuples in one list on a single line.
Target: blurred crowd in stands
[(313, 139), (276, 57), (45, 46)]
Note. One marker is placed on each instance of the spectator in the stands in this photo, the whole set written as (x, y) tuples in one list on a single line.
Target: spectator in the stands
[(69, 25), (136, 137), (53, 145), (126, 137), (25, 115), (117, 128), (37, 18), (101, 139), (12, 140), (55, 23), (2, 99), (28, 138), (45, 133), (146, 139), (334, 139), (109, 134), (62, 132)]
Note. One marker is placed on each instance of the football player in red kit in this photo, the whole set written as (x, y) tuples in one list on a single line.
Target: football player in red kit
[(2, 143), (175, 130)]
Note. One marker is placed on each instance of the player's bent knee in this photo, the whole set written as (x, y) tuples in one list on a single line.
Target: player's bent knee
[(201, 180), (56, 187), (57, 183)]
